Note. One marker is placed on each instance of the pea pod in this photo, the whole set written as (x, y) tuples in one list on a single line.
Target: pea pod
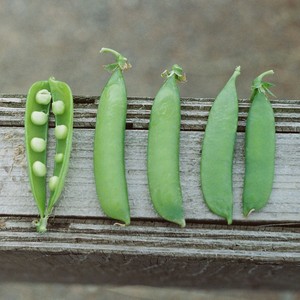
[(259, 148), (163, 150), (36, 126), (39, 99), (218, 150), (109, 163)]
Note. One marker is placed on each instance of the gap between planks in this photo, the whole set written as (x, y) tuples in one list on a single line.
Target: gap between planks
[(194, 113)]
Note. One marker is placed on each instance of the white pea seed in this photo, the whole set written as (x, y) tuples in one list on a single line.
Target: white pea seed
[(39, 118), (58, 107), (61, 132), (39, 169), (59, 157), (53, 182), (43, 97), (38, 144)]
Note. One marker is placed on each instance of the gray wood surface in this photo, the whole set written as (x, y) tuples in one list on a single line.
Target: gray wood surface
[(79, 197), (82, 245), (151, 253), (194, 113)]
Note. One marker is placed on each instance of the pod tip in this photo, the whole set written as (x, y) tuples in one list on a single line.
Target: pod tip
[(120, 224), (247, 213), (180, 222), (125, 220)]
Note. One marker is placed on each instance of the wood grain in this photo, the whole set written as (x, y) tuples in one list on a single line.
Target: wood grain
[(79, 196), (151, 253), (194, 113), (82, 245)]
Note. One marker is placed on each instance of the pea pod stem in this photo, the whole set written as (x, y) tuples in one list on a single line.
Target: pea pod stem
[(109, 50), (261, 76), (41, 225), (259, 86), (121, 61), (176, 71)]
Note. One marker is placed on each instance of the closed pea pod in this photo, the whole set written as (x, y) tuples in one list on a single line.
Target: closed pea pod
[(38, 105), (259, 148), (218, 150), (109, 162), (163, 150)]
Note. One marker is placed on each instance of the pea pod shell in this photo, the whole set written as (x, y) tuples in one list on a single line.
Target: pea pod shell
[(109, 164), (61, 92), (218, 150), (38, 184), (259, 154), (163, 153)]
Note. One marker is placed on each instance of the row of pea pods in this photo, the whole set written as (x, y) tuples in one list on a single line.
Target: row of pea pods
[(163, 146)]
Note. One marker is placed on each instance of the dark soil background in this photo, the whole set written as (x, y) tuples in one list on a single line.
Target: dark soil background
[(208, 39)]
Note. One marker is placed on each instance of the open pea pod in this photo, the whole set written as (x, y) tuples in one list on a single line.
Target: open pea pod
[(62, 107), (36, 127), (41, 96)]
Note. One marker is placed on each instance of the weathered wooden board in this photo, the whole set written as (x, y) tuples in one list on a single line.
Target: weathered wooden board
[(194, 113), (151, 253), (82, 245), (79, 197)]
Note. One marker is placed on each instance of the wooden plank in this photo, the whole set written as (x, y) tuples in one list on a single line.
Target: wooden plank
[(151, 253), (83, 246), (133, 292), (194, 113), (239, 242), (79, 196)]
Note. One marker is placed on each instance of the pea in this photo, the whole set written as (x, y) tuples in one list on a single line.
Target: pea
[(38, 144), (43, 97), (39, 118), (58, 107), (36, 131), (163, 150), (61, 132), (109, 164), (259, 148), (218, 150), (53, 182), (39, 169), (59, 157)]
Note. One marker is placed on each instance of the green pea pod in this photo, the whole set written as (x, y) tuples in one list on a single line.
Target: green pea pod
[(39, 130), (109, 162), (259, 148), (61, 93), (163, 150), (218, 150), (38, 105)]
